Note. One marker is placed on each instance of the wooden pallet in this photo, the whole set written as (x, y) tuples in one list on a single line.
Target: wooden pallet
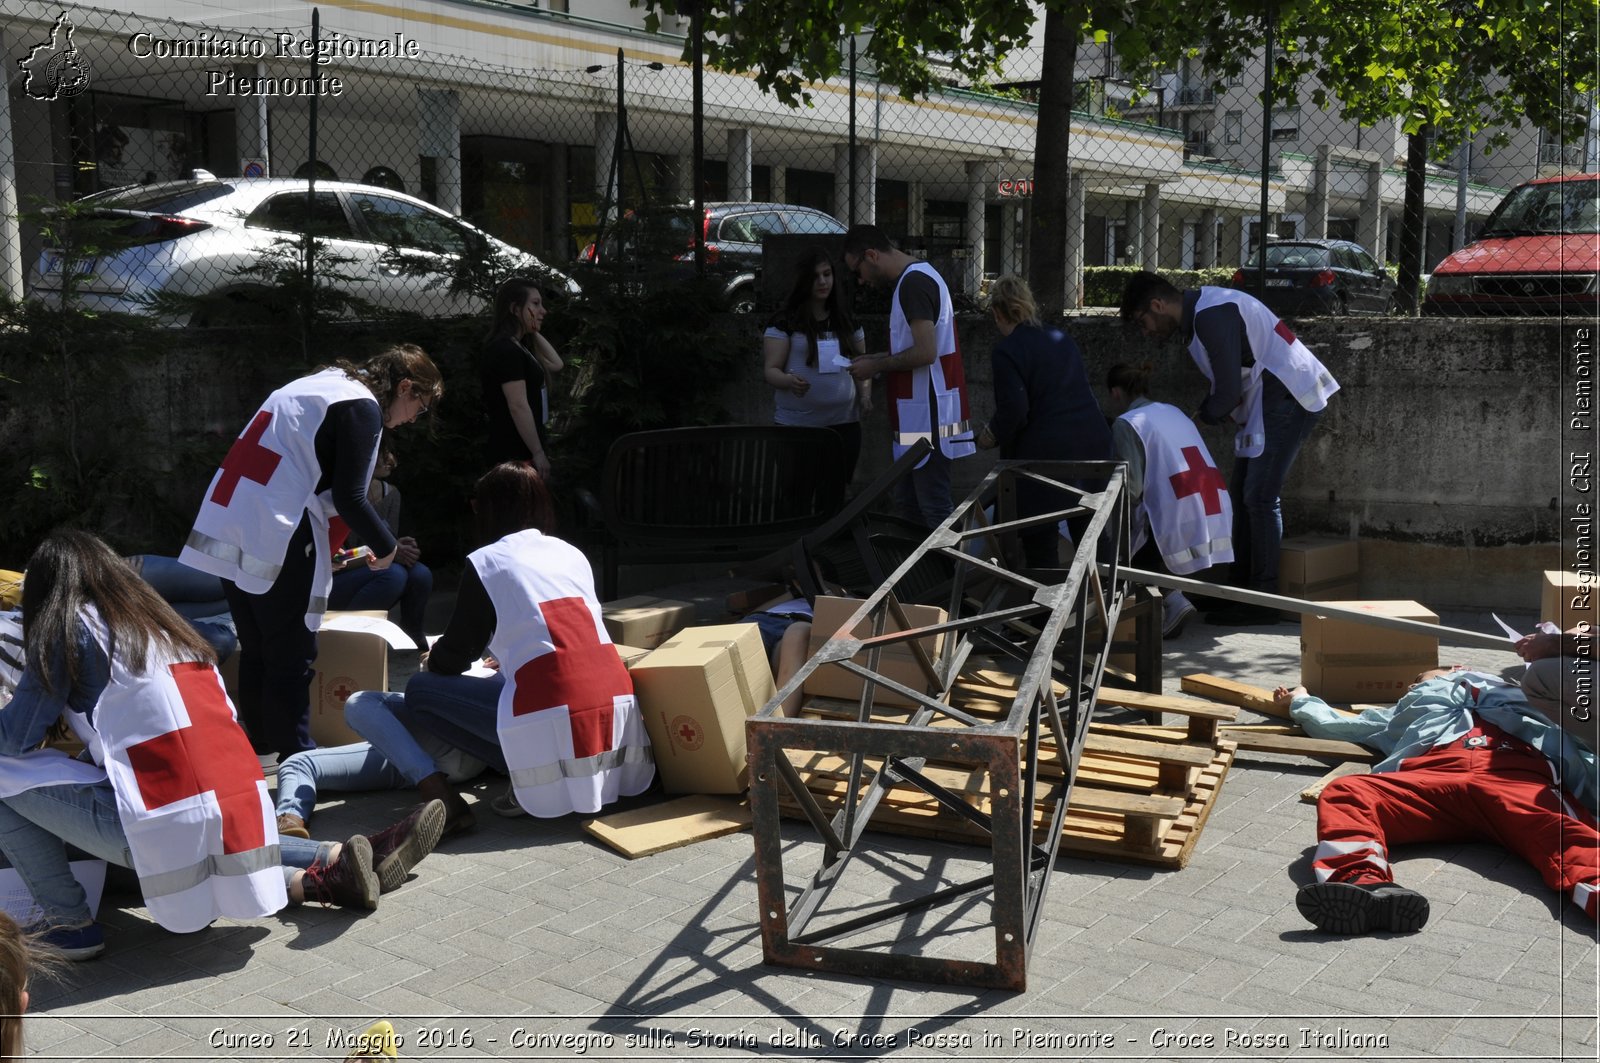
[(1142, 794)]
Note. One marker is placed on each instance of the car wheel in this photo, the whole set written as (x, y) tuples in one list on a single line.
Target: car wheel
[(1341, 306), (242, 308), (743, 300), (1392, 307)]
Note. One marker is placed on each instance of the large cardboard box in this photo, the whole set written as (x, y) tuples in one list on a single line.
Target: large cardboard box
[(352, 654), (645, 621), (1343, 660), (1320, 569), (896, 661), (695, 691), (1567, 601)]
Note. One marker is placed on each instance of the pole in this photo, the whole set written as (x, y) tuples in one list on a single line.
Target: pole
[(616, 164), (1266, 147), (852, 190), (307, 241), (697, 31)]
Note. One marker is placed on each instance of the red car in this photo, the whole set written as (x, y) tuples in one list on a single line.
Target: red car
[(1539, 253)]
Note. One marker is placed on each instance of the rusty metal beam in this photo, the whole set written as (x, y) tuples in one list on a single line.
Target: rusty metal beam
[(1041, 620)]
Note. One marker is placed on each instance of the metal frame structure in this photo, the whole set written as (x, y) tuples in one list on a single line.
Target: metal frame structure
[(1052, 624)]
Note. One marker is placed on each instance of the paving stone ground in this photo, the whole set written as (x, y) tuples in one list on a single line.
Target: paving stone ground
[(528, 940)]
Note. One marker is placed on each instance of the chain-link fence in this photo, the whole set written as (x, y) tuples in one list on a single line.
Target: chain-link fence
[(590, 167)]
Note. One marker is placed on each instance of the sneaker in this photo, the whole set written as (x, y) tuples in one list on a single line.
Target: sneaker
[(1362, 907), (1176, 610), (348, 882), (74, 943), (506, 804), (397, 849), (292, 826)]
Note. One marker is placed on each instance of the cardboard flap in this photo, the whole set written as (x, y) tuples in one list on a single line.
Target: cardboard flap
[(367, 623)]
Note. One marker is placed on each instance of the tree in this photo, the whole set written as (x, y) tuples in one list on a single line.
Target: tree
[(1446, 69), (789, 45)]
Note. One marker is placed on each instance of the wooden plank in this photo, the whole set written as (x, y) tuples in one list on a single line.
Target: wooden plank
[(670, 825), (1314, 791), (1257, 699), (1133, 699), (1163, 752), (1090, 799), (1300, 746)]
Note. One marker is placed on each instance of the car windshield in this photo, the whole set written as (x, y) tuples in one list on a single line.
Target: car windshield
[(1556, 207), (170, 197), (1291, 256)]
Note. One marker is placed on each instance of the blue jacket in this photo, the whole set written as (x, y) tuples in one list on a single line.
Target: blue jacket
[(1441, 710)]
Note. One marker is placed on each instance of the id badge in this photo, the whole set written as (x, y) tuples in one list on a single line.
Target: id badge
[(829, 357)]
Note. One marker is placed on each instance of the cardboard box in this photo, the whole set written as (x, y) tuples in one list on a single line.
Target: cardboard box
[(1343, 660), (696, 691), (631, 655), (352, 654), (645, 621), (897, 661), (1567, 601), (1320, 569)]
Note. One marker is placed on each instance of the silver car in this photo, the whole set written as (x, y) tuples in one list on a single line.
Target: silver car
[(222, 241)]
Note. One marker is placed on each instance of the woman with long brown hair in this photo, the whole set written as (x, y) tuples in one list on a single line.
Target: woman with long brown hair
[(292, 485), (170, 787)]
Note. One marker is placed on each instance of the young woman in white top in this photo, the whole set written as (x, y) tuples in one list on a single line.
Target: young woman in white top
[(807, 348)]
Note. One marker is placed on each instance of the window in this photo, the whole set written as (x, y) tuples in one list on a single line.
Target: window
[(803, 221), (401, 224), (1231, 123), (750, 228), (287, 213), (1286, 124)]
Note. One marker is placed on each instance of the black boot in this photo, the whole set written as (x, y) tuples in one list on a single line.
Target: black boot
[(1362, 908)]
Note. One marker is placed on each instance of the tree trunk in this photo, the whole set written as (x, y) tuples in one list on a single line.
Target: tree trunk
[(1409, 277), (1051, 159)]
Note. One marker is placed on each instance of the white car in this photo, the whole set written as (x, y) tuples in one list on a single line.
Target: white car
[(222, 239)]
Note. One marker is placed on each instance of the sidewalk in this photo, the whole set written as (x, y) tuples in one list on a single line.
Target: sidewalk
[(528, 940)]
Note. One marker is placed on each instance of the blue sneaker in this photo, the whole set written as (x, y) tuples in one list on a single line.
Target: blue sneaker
[(75, 942)]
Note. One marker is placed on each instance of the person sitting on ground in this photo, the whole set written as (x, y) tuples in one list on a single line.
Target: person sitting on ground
[(135, 684), (559, 717), (1464, 758), (407, 582), (1183, 517), (387, 760), (194, 595)]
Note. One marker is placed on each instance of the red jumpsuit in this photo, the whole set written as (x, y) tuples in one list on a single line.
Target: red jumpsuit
[(1484, 785)]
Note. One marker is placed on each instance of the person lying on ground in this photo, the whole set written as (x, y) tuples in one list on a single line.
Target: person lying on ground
[(1465, 758)]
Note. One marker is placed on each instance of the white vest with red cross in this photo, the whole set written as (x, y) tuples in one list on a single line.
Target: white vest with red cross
[(1185, 501), (914, 394), (193, 804), (1277, 351), (266, 483), (568, 722)]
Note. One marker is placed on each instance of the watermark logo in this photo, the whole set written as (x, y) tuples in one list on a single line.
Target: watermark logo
[(54, 69)]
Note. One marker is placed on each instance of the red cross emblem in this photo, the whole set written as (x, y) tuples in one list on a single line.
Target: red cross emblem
[(1201, 479), (211, 753), (580, 673), (342, 690), (247, 460)]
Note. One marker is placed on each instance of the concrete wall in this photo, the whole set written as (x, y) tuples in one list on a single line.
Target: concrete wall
[(1442, 451)]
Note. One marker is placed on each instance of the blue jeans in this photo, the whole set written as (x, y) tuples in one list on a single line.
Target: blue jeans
[(192, 593), (36, 826), (391, 758), (1257, 483), (359, 587), (923, 494), (461, 709)]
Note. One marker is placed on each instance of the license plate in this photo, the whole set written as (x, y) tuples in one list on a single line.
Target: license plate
[(1279, 282)]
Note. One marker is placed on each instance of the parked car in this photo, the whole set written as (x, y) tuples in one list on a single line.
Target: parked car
[(1535, 255), (1307, 277), (661, 239), (220, 240)]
